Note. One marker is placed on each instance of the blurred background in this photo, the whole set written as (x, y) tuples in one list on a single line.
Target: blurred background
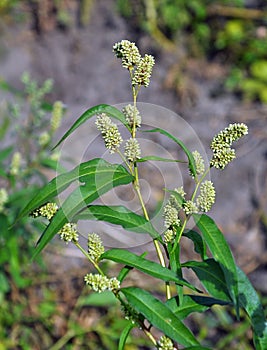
[(56, 60)]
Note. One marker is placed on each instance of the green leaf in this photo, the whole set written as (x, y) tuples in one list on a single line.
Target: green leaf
[(149, 267), (221, 252), (53, 164), (102, 108), (191, 160), (159, 159), (126, 269), (89, 169), (99, 179), (199, 244), (250, 301), (159, 315), (197, 348), (119, 215), (192, 303), (211, 276), (124, 335)]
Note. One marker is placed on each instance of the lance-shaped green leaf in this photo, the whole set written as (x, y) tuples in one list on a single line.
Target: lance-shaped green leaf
[(211, 276), (89, 113), (149, 267), (119, 215), (124, 335), (60, 183), (250, 301), (192, 303), (158, 159), (96, 183), (191, 160), (159, 315), (221, 252)]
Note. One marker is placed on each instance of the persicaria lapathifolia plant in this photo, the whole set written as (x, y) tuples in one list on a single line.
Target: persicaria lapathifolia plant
[(223, 282)]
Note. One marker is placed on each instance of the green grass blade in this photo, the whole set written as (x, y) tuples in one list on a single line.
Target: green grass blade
[(149, 267), (89, 113), (191, 160), (221, 253), (119, 215), (159, 315), (250, 301)]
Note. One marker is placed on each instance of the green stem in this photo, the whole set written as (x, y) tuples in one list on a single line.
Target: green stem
[(89, 258)]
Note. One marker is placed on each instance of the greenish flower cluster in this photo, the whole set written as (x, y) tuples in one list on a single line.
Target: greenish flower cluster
[(44, 139), (171, 216), (69, 233), (199, 161), (169, 236), (221, 144), (57, 113), (100, 283), (131, 59), (47, 211), (109, 131), (132, 116), (190, 207), (207, 196), (128, 52), (143, 71), (165, 343), (95, 246), (3, 198), (15, 164), (132, 150)]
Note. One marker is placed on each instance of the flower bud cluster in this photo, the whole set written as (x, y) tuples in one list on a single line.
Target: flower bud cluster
[(143, 71), (57, 114), (132, 116), (190, 207), (132, 150), (95, 246), (109, 131), (206, 198), (165, 343), (130, 313), (199, 161), (169, 236), (44, 139), (131, 59), (46, 211), (69, 233), (128, 52), (15, 164), (100, 283), (223, 154), (3, 198)]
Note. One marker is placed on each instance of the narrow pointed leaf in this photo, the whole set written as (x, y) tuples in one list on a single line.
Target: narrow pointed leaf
[(250, 301), (159, 315), (191, 161), (211, 276), (124, 335), (119, 215), (159, 159), (221, 252), (102, 108), (61, 182), (149, 267), (192, 303), (5, 153), (104, 177)]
